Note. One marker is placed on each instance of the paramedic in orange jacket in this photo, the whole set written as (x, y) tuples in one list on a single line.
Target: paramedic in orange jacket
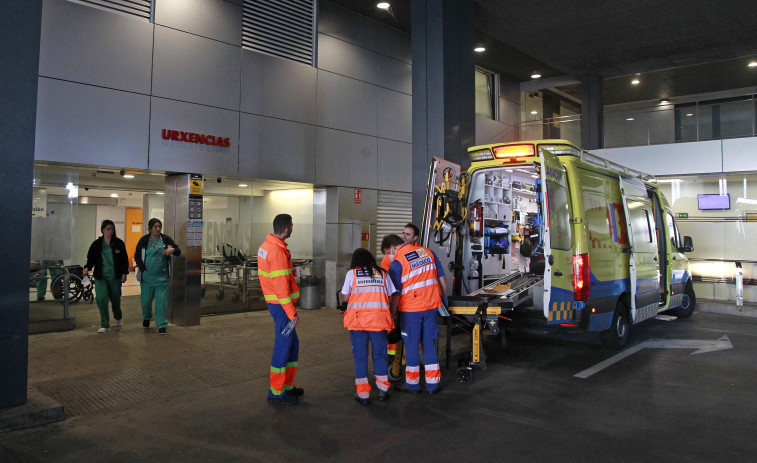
[(281, 292), (367, 290), (389, 246), (417, 273)]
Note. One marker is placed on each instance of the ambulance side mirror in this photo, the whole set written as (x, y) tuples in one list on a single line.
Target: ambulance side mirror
[(688, 245)]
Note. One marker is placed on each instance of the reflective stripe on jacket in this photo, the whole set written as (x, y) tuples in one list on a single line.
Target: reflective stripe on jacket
[(420, 284), (276, 276), (368, 306)]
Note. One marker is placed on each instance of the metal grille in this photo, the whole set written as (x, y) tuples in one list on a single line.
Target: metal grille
[(283, 28), (139, 8), (394, 211)]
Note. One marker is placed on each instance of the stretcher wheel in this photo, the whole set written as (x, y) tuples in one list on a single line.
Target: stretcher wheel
[(464, 375), (234, 298), (219, 295), (202, 292)]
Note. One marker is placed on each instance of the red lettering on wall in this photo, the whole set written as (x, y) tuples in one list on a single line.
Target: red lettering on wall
[(191, 137)]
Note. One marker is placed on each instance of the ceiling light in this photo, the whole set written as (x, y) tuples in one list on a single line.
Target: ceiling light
[(636, 80), (664, 101), (159, 193), (114, 195), (689, 114), (629, 118), (752, 64), (383, 5), (242, 185), (479, 49), (535, 75), (534, 112), (128, 176)]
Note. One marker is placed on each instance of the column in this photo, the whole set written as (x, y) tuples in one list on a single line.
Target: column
[(592, 113)]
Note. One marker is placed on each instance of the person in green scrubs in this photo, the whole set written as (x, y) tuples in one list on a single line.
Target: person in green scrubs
[(110, 264), (42, 283), (153, 257)]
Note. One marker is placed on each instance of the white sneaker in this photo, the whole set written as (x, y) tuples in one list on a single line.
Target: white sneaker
[(103, 330), (119, 323)]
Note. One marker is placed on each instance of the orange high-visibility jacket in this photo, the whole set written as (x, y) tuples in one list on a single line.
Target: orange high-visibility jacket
[(386, 262), (276, 275), (420, 284), (368, 306)]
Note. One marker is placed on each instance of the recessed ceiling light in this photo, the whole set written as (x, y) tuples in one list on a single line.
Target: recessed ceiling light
[(535, 75), (383, 5), (534, 112), (479, 49), (159, 193), (664, 101), (242, 185), (636, 81), (128, 176), (629, 118), (752, 64), (689, 114), (114, 195)]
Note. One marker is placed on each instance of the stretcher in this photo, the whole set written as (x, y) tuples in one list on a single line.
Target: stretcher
[(484, 308)]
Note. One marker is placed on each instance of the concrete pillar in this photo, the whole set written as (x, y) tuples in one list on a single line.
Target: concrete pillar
[(20, 26), (443, 88), (592, 113), (183, 223)]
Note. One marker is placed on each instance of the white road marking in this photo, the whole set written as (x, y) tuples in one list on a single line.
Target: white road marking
[(701, 346)]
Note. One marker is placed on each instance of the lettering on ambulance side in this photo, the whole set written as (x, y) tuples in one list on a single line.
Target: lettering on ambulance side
[(367, 278), (418, 258), (262, 253), (555, 174)]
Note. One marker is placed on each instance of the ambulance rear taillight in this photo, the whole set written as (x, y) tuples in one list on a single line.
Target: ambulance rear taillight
[(513, 153), (581, 277)]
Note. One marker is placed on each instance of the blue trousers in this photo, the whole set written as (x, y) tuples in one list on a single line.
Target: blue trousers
[(285, 354), (420, 328), (360, 340)]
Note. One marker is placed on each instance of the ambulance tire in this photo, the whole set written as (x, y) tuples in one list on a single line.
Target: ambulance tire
[(688, 303), (617, 336)]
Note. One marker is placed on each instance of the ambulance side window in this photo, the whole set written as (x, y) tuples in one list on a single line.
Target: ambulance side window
[(642, 225), (561, 236), (675, 238)]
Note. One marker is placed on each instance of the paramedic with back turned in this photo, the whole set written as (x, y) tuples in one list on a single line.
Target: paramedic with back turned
[(280, 290), (418, 275)]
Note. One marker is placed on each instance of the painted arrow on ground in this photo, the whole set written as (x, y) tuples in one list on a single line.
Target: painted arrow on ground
[(700, 345)]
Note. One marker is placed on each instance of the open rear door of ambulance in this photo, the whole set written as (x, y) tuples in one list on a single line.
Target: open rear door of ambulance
[(553, 197), (442, 188), (643, 260)]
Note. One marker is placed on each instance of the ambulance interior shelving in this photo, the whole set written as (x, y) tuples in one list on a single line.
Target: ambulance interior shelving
[(503, 212)]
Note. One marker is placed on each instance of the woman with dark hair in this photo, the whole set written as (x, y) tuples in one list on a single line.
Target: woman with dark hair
[(153, 257), (367, 291), (107, 256)]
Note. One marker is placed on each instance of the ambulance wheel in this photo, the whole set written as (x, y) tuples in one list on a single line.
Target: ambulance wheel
[(464, 375), (617, 336), (219, 295), (688, 302), (234, 298)]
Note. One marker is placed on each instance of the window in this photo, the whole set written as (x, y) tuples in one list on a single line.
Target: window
[(641, 226), (675, 238), (484, 93), (560, 234), (283, 28)]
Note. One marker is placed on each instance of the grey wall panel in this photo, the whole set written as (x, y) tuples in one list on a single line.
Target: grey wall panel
[(91, 125), (181, 156), (349, 26), (214, 19), (395, 74), (347, 104), (346, 159), (347, 59), (669, 159), (276, 149), (84, 44), (195, 69), (278, 87), (395, 165), (395, 115), (489, 131), (739, 154)]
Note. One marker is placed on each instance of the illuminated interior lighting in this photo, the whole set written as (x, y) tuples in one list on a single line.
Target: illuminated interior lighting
[(479, 49), (159, 193), (535, 75), (242, 185), (534, 112), (664, 101), (636, 80), (383, 5), (752, 64), (114, 195), (689, 114), (128, 176), (629, 118)]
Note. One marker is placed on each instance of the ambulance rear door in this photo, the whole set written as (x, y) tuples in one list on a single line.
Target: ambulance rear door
[(643, 261), (556, 235), (437, 232)]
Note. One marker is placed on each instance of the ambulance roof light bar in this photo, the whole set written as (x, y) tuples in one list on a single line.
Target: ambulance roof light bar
[(513, 153)]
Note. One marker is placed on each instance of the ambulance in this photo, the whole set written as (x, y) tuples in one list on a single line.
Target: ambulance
[(555, 237)]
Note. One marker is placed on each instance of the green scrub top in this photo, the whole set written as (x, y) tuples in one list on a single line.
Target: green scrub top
[(156, 264), (108, 266)]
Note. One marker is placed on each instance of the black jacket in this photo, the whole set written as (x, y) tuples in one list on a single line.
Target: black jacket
[(142, 244), (95, 257)]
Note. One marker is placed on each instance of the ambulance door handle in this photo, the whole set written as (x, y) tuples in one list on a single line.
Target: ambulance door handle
[(558, 274), (551, 259)]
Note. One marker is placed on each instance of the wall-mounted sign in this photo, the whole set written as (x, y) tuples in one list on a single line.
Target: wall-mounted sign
[(191, 137), (195, 185), (358, 196)]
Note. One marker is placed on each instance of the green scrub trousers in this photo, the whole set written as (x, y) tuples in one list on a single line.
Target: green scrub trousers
[(155, 283), (108, 288)]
